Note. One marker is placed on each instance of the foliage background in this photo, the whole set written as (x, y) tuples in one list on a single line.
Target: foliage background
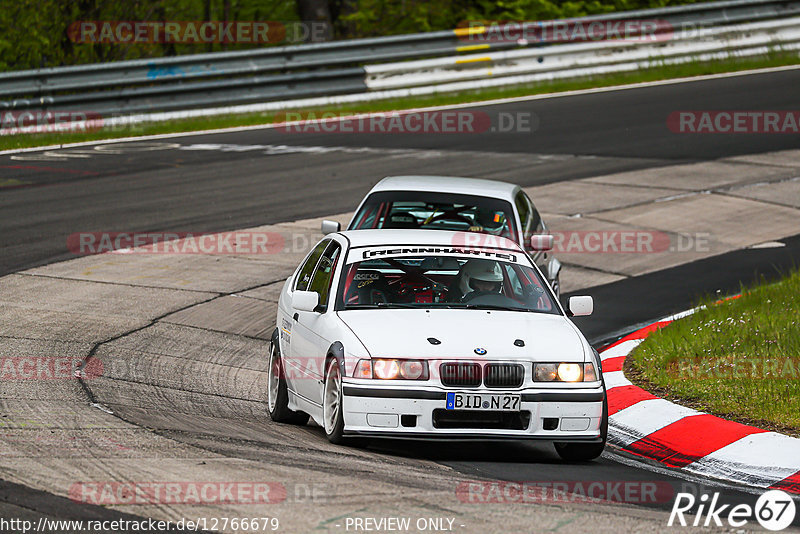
[(33, 33)]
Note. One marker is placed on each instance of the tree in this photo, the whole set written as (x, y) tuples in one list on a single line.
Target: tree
[(317, 13)]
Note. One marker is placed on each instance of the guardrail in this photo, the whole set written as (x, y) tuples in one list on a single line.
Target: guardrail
[(563, 60), (367, 69)]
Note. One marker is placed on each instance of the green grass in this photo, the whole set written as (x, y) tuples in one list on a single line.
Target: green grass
[(663, 72), (739, 358)]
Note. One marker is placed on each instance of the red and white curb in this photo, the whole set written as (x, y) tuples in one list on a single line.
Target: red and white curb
[(642, 424)]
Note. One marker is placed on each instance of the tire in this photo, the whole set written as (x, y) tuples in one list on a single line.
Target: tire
[(277, 392), (332, 415), (584, 452)]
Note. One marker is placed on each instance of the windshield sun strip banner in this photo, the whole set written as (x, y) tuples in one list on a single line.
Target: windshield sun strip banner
[(358, 254)]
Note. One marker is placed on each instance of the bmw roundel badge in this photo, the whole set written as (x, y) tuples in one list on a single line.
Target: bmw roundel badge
[(480, 351)]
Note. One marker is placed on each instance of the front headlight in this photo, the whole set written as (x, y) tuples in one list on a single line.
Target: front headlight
[(386, 369), (391, 369), (564, 372), (570, 372), (545, 372)]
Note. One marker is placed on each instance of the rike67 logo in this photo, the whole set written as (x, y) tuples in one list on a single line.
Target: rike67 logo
[(774, 510)]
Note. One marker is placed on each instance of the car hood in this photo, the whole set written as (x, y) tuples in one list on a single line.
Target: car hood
[(405, 333)]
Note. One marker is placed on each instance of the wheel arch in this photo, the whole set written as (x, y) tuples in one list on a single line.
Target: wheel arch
[(275, 340), (336, 350)]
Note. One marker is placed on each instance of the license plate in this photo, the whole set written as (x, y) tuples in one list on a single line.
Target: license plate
[(501, 402)]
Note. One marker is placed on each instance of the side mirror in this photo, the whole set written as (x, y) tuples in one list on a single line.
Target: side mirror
[(579, 306), (542, 242), (329, 227), (306, 301)]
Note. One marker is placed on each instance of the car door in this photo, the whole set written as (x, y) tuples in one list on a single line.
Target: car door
[(296, 351), (310, 343), (530, 224)]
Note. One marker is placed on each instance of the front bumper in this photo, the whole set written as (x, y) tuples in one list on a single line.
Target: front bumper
[(390, 412)]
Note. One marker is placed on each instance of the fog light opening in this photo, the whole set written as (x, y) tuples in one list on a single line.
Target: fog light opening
[(549, 423)]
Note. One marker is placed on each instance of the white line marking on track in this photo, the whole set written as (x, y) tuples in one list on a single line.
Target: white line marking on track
[(616, 379), (646, 417), (483, 103), (695, 480), (623, 349), (767, 458)]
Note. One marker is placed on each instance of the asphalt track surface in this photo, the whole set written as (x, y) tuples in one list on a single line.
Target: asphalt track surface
[(215, 189), (82, 189)]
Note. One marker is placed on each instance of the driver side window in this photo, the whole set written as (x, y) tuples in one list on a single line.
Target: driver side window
[(307, 270), (321, 281), (529, 217), (536, 219), (524, 213)]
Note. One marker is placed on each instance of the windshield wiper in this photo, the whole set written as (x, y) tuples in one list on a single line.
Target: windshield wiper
[(492, 307), (381, 305), (433, 305)]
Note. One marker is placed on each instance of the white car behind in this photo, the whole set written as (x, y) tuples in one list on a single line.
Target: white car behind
[(486, 207)]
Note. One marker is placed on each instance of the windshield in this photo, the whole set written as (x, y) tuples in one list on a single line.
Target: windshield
[(443, 281), (436, 211)]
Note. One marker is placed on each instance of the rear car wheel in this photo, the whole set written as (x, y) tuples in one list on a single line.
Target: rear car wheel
[(584, 452), (277, 392), (332, 415)]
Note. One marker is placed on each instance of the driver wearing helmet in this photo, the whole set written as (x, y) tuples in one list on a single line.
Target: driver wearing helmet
[(490, 221), (479, 277)]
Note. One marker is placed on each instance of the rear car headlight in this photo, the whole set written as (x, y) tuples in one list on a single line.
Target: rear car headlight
[(564, 372), (392, 369)]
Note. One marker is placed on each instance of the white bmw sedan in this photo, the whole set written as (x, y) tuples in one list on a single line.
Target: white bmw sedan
[(416, 334)]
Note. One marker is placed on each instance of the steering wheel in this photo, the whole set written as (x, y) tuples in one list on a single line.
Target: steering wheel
[(412, 273), (451, 216), (405, 292), (534, 295)]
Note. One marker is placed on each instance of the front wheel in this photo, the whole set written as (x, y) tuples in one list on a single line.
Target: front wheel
[(277, 392), (332, 415), (584, 452)]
